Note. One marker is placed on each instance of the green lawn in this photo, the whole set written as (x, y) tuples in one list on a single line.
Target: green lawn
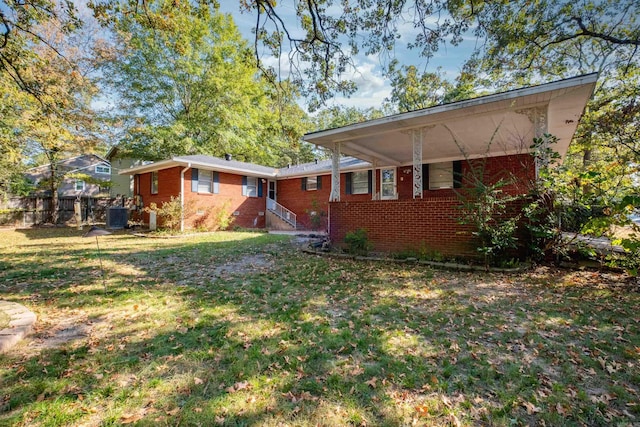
[(242, 329)]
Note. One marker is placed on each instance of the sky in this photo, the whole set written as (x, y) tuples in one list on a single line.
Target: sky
[(373, 87)]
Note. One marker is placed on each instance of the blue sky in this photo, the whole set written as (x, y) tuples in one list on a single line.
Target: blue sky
[(372, 86)]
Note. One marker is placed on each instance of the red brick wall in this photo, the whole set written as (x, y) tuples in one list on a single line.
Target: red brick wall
[(229, 197), (291, 195), (429, 224)]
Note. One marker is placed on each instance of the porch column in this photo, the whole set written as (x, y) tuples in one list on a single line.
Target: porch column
[(335, 174), (417, 137), (538, 117), (374, 185)]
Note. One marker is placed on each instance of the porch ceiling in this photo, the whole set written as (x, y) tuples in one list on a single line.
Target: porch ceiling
[(492, 125)]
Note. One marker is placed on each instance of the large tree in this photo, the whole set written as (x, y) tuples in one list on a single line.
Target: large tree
[(59, 122), (187, 85), (22, 25)]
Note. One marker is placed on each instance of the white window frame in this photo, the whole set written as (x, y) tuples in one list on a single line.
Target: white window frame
[(440, 175), (252, 186), (360, 182), (103, 169), (154, 182), (393, 184), (205, 185), (312, 183), (79, 181)]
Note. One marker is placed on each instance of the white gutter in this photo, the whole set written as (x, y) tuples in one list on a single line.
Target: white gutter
[(182, 196)]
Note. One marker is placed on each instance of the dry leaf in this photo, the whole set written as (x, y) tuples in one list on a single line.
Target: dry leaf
[(130, 418), (173, 412), (197, 410), (422, 410), (531, 408), (198, 381), (372, 382)]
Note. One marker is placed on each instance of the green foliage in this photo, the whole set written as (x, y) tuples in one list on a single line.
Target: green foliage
[(315, 214), (223, 216), (170, 213), (188, 85), (485, 206), (357, 242)]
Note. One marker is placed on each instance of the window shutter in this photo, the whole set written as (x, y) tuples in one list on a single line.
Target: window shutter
[(425, 176), (348, 178), (304, 184), (194, 180), (259, 184), (457, 174), (244, 185), (370, 177), (319, 182), (216, 182)]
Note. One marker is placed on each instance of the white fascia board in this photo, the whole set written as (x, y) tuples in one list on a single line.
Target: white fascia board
[(166, 164), (237, 171), (324, 172), (497, 97)]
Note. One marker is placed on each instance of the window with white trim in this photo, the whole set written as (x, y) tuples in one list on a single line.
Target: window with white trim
[(440, 175), (252, 187), (312, 183), (360, 182), (79, 186), (205, 181), (154, 182), (103, 169)]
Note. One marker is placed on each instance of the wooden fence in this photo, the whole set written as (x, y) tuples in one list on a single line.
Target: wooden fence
[(35, 210)]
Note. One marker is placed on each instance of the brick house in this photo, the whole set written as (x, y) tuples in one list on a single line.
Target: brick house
[(396, 176)]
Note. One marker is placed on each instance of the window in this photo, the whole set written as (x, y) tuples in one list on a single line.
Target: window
[(103, 169), (204, 181), (360, 182), (311, 183), (440, 175), (154, 182), (251, 186), (79, 185)]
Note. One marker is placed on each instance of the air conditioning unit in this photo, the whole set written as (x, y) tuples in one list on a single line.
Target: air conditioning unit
[(117, 217)]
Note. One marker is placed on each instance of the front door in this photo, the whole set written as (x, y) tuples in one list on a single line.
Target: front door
[(388, 184)]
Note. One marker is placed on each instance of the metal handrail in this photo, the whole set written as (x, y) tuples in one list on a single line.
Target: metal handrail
[(281, 212)]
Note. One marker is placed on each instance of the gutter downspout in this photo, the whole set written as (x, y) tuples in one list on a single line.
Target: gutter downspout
[(182, 196)]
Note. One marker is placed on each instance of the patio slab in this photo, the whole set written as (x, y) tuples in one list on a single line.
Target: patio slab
[(20, 324)]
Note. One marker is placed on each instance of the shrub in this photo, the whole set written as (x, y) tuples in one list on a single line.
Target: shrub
[(357, 242), (170, 213)]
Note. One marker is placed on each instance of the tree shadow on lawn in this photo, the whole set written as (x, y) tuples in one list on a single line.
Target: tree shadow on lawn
[(317, 341)]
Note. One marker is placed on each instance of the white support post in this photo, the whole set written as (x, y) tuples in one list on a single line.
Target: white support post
[(335, 174), (417, 137), (374, 185)]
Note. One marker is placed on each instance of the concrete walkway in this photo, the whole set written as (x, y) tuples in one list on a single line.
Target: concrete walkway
[(21, 323)]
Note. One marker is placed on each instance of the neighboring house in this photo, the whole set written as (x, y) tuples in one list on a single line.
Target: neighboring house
[(121, 184), (399, 181), (94, 167)]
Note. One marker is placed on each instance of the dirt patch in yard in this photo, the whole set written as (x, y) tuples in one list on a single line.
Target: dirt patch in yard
[(248, 263)]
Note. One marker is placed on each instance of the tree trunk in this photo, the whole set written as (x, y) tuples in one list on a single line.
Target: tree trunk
[(54, 193)]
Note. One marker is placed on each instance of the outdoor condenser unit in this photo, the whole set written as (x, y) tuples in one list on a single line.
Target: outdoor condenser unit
[(117, 217)]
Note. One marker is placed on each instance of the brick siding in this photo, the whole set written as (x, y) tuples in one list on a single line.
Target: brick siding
[(201, 208), (429, 225)]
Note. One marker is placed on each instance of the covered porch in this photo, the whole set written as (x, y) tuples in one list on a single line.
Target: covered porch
[(500, 127)]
